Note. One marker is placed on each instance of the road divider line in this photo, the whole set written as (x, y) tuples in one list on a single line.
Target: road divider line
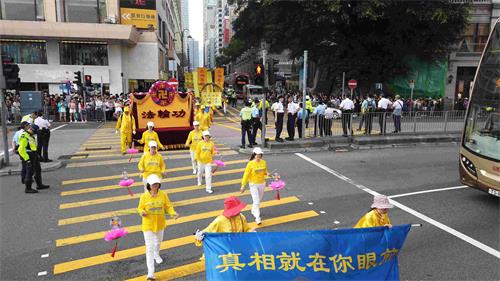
[(115, 177), (183, 219), (125, 161), (165, 245), (132, 211), (84, 152), (427, 191), (172, 179), (137, 195), (138, 155), (421, 216)]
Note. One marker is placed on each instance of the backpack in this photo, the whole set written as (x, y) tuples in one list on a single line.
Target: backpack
[(370, 107)]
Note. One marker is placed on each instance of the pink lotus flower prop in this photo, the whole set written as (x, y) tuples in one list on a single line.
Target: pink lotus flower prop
[(277, 185), (132, 151), (114, 235), (219, 163), (127, 183)]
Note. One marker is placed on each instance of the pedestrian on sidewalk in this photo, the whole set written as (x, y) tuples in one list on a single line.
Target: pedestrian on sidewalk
[(231, 220), (328, 119), (319, 118), (256, 124), (194, 137), (292, 109), (397, 107), (255, 175), (246, 125), (377, 216), (369, 106), (153, 206), (363, 115), (347, 107), (300, 114), (126, 125), (150, 135), (43, 137), (280, 113), (383, 105), (151, 163), (29, 155), (205, 150)]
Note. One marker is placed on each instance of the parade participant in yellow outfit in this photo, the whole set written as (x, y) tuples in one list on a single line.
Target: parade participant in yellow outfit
[(231, 220), (126, 125), (194, 137), (203, 155), (151, 163), (197, 112), (255, 175), (150, 135), (153, 206), (378, 214), (205, 121)]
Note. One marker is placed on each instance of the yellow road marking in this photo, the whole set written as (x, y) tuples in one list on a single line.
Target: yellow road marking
[(172, 179), (169, 244), (178, 169), (132, 211), (138, 155), (133, 160), (183, 219), (137, 195), (83, 151)]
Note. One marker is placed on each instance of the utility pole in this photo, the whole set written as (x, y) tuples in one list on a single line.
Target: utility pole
[(304, 91), (4, 117), (264, 112), (343, 83)]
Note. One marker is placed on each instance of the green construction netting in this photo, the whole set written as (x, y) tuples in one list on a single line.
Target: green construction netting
[(430, 80)]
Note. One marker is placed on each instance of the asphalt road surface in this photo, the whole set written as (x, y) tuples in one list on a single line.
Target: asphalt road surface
[(58, 233)]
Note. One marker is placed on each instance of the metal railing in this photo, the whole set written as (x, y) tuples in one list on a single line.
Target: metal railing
[(383, 123)]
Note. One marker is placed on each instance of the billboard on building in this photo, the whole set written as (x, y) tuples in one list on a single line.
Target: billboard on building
[(141, 13)]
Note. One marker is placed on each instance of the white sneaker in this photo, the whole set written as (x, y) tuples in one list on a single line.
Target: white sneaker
[(209, 191), (158, 260), (258, 221), (194, 172), (199, 184)]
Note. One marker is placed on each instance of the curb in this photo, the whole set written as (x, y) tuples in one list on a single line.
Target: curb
[(16, 170)]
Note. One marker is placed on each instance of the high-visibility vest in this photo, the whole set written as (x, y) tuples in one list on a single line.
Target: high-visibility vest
[(246, 113)]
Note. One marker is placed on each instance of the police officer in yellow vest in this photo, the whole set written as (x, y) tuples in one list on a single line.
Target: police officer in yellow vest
[(246, 125), (126, 125), (29, 155), (309, 108)]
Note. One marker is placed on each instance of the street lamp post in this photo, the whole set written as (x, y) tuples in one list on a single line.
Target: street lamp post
[(181, 33)]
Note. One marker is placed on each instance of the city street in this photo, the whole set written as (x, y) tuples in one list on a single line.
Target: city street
[(58, 233)]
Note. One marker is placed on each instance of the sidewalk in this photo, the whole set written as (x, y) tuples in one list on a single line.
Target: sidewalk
[(339, 143), (61, 143)]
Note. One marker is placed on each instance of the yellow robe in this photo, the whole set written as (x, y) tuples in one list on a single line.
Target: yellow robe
[(372, 219)]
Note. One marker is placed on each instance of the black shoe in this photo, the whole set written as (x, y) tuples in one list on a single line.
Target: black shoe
[(255, 143), (242, 146), (43, 186), (30, 190), (250, 146), (47, 160)]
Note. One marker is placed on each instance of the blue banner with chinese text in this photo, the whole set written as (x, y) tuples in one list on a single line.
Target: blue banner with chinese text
[(355, 254)]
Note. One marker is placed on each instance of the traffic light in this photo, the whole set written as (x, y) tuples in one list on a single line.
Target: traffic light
[(272, 69), (259, 74), (78, 78), (11, 73), (88, 81)]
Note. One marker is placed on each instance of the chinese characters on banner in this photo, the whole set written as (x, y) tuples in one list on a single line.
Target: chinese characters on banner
[(188, 76), (174, 114), (202, 77), (212, 98), (219, 77), (345, 254)]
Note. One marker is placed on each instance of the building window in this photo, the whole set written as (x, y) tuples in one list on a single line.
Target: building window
[(30, 10), (90, 11), (475, 37), (25, 51), (83, 53)]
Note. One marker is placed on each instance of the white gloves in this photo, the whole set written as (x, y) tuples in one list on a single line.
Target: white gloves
[(116, 131), (199, 235), (133, 132)]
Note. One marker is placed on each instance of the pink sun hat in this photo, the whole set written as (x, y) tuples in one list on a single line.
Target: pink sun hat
[(232, 206), (381, 202)]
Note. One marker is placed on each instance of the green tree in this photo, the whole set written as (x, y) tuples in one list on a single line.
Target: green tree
[(367, 39)]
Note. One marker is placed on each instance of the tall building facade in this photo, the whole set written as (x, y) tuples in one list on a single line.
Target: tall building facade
[(209, 32), (462, 63), (193, 54), (108, 39)]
